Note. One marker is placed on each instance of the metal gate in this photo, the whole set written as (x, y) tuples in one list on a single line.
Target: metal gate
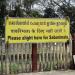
[(50, 56)]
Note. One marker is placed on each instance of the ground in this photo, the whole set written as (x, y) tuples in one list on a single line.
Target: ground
[(69, 72)]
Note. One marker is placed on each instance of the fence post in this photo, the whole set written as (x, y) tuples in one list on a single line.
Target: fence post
[(7, 57), (1, 59), (34, 57)]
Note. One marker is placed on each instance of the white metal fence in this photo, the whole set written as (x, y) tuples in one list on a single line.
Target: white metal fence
[(50, 56)]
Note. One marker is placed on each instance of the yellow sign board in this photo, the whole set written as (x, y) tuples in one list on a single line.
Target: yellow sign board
[(36, 30)]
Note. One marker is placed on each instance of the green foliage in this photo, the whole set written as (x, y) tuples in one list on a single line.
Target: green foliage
[(3, 13), (69, 11), (1, 21), (62, 7), (18, 12), (28, 3), (50, 13), (14, 67), (34, 14), (25, 12)]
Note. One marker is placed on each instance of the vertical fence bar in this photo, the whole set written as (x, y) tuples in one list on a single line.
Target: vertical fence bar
[(44, 66), (68, 56), (50, 54), (61, 56), (1, 59), (49, 67), (38, 59), (11, 51), (58, 55), (48, 62), (22, 56), (7, 58), (26, 56), (27, 46), (30, 47), (64, 56), (70, 49), (23, 59), (40, 56), (53, 55)]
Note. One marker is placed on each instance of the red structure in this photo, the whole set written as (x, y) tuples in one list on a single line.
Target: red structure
[(73, 44), (34, 57)]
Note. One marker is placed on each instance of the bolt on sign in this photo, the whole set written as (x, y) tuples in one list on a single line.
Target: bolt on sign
[(36, 30)]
